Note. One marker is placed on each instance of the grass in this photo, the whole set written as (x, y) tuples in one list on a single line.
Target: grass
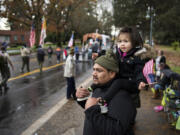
[(169, 48), (175, 69), (172, 57)]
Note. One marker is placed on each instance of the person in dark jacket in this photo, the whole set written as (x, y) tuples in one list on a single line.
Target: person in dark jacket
[(117, 121), (50, 52), (4, 69), (131, 55), (40, 57), (163, 81)]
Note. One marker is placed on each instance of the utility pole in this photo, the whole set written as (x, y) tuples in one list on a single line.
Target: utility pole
[(151, 25)]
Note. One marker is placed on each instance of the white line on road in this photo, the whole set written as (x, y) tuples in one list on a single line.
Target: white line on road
[(41, 121)]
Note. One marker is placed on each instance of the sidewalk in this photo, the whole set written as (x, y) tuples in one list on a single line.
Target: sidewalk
[(69, 120)]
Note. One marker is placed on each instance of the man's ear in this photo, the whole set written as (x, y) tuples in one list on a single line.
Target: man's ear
[(112, 74)]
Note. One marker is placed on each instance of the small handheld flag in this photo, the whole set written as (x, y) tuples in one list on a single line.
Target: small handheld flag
[(32, 36), (70, 44)]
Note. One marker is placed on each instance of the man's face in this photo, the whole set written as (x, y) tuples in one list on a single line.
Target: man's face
[(101, 75)]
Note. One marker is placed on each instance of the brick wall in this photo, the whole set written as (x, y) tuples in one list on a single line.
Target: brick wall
[(14, 37)]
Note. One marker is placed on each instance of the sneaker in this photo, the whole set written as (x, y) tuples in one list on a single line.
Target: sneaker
[(158, 108), (70, 99)]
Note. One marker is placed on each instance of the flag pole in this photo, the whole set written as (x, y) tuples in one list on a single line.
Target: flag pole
[(151, 83), (73, 40)]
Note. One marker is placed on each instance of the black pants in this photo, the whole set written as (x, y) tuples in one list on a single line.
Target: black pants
[(77, 56), (5, 73), (70, 87), (25, 62)]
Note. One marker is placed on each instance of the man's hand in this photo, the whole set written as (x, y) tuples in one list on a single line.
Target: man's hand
[(142, 86), (91, 101), (82, 92)]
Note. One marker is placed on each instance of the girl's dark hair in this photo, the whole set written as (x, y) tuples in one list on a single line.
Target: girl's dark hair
[(134, 36)]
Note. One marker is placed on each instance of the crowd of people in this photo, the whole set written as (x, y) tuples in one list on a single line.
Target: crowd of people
[(25, 51), (117, 80)]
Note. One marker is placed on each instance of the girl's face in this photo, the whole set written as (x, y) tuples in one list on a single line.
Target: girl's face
[(124, 42)]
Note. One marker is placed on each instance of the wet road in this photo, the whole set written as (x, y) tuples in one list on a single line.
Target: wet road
[(32, 94)]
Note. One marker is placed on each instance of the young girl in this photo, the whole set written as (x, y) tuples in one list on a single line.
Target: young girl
[(132, 56)]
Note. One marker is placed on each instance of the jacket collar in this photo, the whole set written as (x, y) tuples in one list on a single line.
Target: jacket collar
[(131, 52), (104, 86)]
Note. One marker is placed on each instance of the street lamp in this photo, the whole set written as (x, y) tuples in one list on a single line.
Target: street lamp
[(150, 14)]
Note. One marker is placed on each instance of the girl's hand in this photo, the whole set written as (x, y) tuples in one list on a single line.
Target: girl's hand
[(91, 101), (142, 86)]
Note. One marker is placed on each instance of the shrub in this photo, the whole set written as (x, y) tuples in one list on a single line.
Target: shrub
[(175, 45)]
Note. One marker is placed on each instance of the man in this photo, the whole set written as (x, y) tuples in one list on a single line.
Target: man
[(50, 52), (58, 54), (25, 53), (69, 73), (4, 69), (40, 57), (117, 121), (77, 53)]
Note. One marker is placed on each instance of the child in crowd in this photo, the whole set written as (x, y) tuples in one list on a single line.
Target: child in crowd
[(132, 57), (162, 81)]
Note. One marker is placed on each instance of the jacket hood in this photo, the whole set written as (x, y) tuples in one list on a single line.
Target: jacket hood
[(147, 52)]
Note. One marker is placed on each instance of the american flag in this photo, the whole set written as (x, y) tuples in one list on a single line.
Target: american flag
[(32, 36), (70, 44), (148, 71), (43, 32)]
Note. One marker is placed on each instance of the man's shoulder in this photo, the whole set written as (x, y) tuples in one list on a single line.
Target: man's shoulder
[(121, 105), (123, 94)]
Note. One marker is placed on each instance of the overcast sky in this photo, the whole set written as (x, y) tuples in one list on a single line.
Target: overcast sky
[(105, 4), (2, 24)]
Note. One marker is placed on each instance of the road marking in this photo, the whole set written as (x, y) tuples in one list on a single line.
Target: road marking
[(44, 118), (34, 71)]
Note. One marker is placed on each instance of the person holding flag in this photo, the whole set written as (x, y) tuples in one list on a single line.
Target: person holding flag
[(43, 32)]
